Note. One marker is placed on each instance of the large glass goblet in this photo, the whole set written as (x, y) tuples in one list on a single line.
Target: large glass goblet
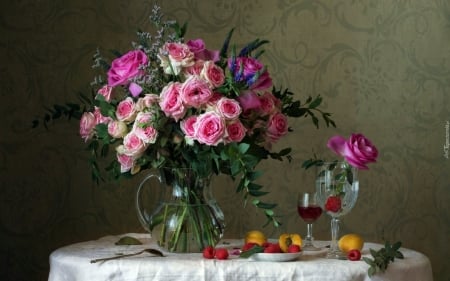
[(337, 188), (309, 211)]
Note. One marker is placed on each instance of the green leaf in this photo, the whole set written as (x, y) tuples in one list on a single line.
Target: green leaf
[(255, 249)]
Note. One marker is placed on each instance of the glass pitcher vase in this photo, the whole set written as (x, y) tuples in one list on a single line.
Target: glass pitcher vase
[(179, 211)]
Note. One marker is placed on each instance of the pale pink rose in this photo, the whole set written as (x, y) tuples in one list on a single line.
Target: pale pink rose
[(135, 89), (228, 108), (143, 128), (147, 101), (194, 69), (357, 150), (133, 145), (106, 92), (195, 92), (235, 132), (197, 46), (209, 128), (171, 102), (187, 126), (117, 129), (87, 125), (99, 118), (179, 56), (277, 126), (269, 103), (126, 162), (126, 110), (126, 67), (213, 74)]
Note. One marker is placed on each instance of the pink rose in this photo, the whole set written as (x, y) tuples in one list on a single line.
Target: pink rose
[(99, 118), (147, 101), (197, 46), (117, 129), (171, 102), (209, 128), (174, 57), (247, 69), (358, 151), (187, 126), (235, 132), (194, 69), (126, 162), (228, 108), (133, 145), (126, 67), (87, 125), (105, 91), (269, 103), (195, 92), (143, 128), (277, 126), (126, 110), (213, 74)]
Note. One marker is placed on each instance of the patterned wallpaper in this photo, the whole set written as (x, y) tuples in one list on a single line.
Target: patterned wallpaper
[(382, 66)]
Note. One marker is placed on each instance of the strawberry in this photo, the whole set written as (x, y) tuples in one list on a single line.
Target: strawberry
[(333, 204), (272, 248), (354, 255), (248, 246), (294, 248), (221, 253), (209, 252)]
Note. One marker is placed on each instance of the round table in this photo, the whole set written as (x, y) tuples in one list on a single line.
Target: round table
[(73, 262)]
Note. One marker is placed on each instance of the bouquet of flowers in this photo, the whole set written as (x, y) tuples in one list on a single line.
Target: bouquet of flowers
[(170, 102)]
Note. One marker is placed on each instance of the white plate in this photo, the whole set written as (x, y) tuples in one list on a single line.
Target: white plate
[(276, 257)]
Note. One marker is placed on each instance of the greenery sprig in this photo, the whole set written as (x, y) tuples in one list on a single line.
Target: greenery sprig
[(383, 257)]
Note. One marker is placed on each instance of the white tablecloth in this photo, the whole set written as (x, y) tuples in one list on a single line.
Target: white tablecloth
[(72, 263)]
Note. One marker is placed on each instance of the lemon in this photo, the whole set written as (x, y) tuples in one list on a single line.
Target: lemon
[(350, 242), (255, 236)]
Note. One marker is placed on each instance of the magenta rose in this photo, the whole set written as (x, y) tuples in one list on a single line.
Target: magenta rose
[(126, 110), (195, 92), (277, 126), (250, 71), (213, 74), (87, 125), (126, 67), (235, 131), (135, 89), (269, 103), (358, 151), (249, 101), (197, 46), (143, 128), (228, 108), (171, 102), (209, 128)]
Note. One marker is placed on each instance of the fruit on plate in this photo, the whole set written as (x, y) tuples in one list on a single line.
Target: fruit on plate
[(209, 252), (350, 242), (272, 248), (248, 246), (294, 248), (354, 255), (287, 239), (255, 236)]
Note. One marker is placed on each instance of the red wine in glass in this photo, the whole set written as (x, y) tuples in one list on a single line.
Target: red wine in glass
[(309, 211)]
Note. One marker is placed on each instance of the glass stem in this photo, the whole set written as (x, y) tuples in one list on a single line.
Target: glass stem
[(309, 236), (334, 234)]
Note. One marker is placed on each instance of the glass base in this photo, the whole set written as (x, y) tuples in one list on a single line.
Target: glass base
[(337, 255), (309, 246)]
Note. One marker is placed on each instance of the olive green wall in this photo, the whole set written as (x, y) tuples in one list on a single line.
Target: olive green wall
[(382, 66)]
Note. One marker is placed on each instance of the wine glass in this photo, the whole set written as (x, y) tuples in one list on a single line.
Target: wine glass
[(309, 211), (337, 188)]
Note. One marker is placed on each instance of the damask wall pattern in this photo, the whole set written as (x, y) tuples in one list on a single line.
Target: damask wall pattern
[(383, 68)]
